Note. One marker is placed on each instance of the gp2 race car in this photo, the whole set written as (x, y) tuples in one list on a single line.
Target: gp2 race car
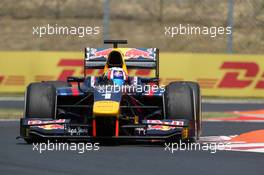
[(93, 108)]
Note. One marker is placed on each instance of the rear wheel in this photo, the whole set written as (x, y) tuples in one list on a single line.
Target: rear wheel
[(180, 103)]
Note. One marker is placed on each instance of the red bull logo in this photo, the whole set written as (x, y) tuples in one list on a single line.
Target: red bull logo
[(51, 126), (160, 127), (136, 53), (172, 123), (99, 53), (39, 122)]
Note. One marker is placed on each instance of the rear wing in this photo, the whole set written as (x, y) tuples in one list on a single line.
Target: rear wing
[(135, 58)]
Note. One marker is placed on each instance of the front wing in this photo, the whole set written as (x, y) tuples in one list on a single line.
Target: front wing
[(147, 130)]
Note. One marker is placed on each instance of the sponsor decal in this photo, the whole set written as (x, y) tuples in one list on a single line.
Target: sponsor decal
[(137, 53), (222, 75), (160, 127), (1, 78), (129, 53), (171, 123), (51, 126), (77, 131), (40, 122), (234, 78), (140, 131), (98, 53), (12, 80), (70, 68)]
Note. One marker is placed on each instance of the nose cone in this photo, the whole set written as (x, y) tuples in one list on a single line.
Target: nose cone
[(106, 108)]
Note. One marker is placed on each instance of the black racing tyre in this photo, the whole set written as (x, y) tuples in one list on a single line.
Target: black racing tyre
[(197, 96), (195, 87), (40, 101), (178, 101)]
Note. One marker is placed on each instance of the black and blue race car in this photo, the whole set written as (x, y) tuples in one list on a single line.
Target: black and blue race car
[(91, 108)]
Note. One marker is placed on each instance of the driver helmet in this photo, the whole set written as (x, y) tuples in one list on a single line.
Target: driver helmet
[(117, 75)]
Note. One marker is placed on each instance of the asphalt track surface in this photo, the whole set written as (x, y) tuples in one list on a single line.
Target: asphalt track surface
[(16, 157)]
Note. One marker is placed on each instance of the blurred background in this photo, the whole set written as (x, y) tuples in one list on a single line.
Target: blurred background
[(141, 22), (227, 67)]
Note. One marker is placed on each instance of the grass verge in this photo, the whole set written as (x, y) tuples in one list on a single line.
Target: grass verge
[(208, 115), (11, 113)]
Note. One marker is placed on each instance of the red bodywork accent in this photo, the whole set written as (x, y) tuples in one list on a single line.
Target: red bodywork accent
[(151, 91), (109, 75), (75, 92), (94, 128), (117, 128)]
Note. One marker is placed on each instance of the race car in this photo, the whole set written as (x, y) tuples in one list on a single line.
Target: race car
[(114, 105)]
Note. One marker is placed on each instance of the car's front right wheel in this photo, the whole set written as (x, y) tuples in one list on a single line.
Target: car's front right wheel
[(181, 103)]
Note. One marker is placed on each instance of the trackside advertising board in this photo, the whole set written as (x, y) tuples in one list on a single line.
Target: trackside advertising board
[(218, 75)]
